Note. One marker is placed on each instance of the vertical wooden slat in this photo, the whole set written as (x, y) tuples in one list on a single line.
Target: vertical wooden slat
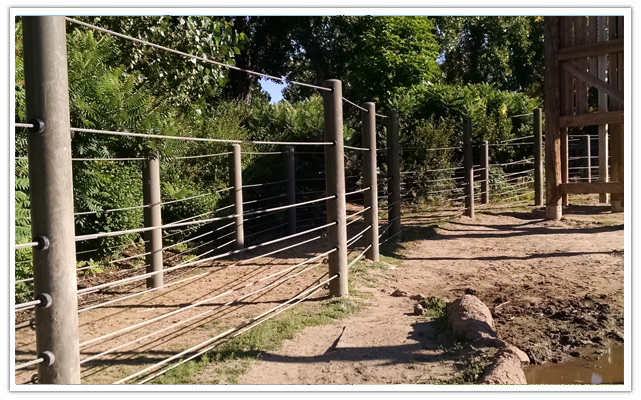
[(552, 132), (566, 99), (602, 36), (616, 130), (580, 38)]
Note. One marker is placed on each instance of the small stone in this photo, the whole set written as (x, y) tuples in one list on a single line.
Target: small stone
[(418, 309), (399, 293), (417, 297)]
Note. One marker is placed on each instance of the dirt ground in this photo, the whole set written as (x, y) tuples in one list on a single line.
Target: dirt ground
[(551, 286)]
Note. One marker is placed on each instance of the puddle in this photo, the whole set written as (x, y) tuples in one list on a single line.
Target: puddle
[(607, 369)]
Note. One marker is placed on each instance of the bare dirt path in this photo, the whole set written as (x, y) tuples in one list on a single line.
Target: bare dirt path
[(552, 286)]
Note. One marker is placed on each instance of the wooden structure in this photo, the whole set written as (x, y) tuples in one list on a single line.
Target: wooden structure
[(583, 53)]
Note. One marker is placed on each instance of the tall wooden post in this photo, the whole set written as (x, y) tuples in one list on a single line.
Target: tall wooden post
[(370, 180), (468, 165), (51, 196), (553, 207), (616, 130), (152, 217), (335, 185), (603, 107), (236, 182), (538, 157), (485, 173), (566, 85), (290, 170), (394, 175)]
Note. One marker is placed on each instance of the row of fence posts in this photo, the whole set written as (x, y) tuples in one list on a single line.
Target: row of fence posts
[(51, 192), (468, 164)]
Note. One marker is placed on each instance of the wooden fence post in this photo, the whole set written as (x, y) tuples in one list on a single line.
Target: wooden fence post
[(553, 178), (236, 182), (538, 157), (335, 185), (51, 196), (152, 217), (370, 180), (468, 164)]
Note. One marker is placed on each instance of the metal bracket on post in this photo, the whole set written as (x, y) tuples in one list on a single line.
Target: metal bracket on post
[(468, 161), (370, 180), (236, 182), (394, 178), (538, 157), (51, 196), (485, 168), (290, 171), (152, 218), (335, 185)]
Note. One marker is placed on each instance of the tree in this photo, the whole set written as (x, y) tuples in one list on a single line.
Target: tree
[(181, 81), (506, 51)]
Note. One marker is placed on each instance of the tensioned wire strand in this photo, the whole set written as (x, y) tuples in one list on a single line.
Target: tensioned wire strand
[(185, 308), (192, 56), (235, 333), (194, 262), (199, 275), (196, 139), (226, 333)]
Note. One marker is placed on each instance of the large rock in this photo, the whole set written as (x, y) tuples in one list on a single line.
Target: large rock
[(505, 370), (470, 319)]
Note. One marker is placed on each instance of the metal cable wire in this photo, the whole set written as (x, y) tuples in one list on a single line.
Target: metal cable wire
[(253, 185), (202, 156), (110, 210), (29, 304), (194, 57), (29, 363), (356, 148), (226, 333), (358, 191), (110, 159), (188, 223), (26, 245), (190, 306), (355, 105), (414, 148), (194, 262), (525, 161), (355, 260), (197, 139), (232, 335), (205, 313)]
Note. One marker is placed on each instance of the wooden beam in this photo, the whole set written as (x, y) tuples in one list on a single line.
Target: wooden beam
[(552, 130), (592, 81), (592, 187), (592, 49), (598, 118)]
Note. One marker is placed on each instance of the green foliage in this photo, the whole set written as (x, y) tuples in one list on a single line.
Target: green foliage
[(180, 80), (504, 50)]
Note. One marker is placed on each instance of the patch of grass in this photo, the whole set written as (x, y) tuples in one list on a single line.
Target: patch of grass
[(476, 365), (233, 358), (434, 307)]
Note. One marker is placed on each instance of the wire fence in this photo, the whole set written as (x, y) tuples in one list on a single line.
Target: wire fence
[(209, 273)]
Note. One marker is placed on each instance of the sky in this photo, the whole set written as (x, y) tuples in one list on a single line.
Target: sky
[(274, 89)]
